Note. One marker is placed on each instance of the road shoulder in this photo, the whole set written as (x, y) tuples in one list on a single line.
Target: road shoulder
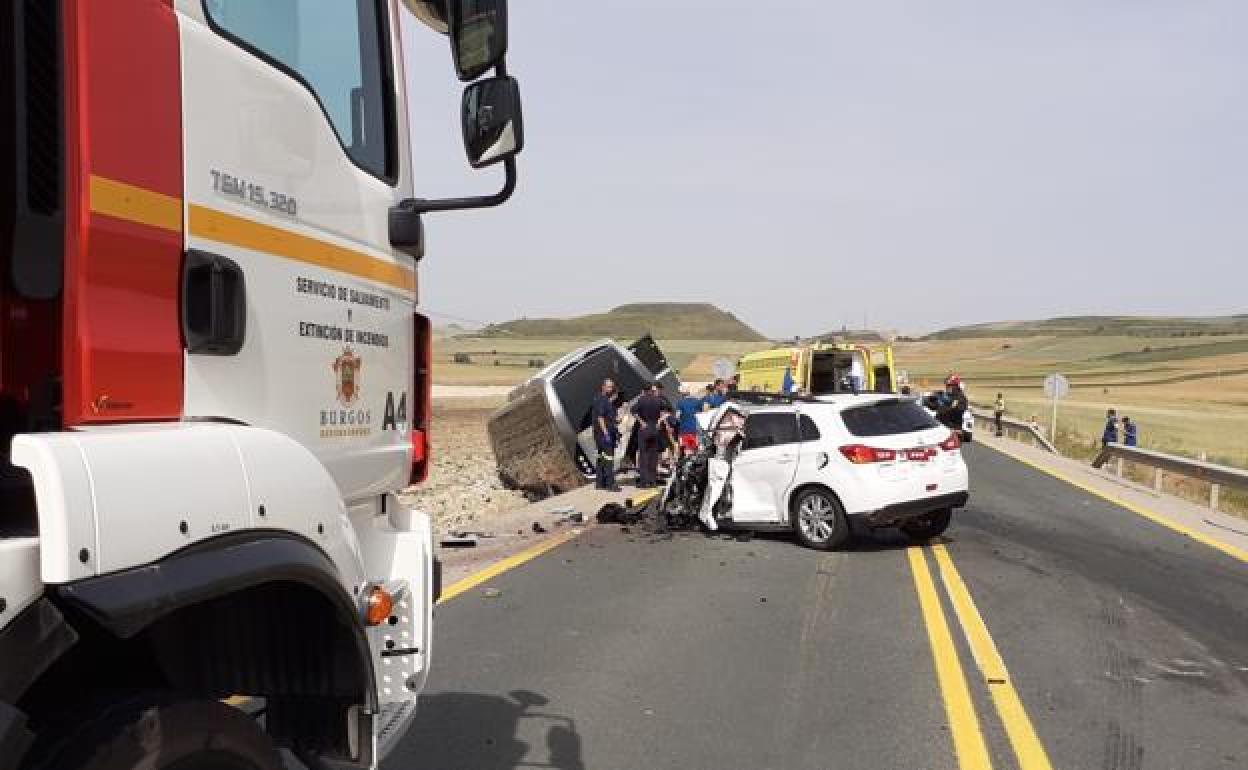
[(1212, 528)]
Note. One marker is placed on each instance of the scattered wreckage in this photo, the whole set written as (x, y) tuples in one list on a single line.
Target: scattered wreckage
[(543, 438), (810, 465)]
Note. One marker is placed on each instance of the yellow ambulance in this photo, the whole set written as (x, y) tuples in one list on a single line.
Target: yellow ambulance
[(819, 370)]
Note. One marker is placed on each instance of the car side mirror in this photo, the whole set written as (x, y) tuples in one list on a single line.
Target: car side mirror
[(493, 125), (478, 32)]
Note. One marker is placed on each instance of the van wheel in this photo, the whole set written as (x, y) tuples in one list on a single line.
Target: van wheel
[(162, 733), (929, 525), (819, 520)]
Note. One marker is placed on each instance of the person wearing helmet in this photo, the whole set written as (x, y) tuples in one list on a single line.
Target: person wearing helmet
[(954, 406)]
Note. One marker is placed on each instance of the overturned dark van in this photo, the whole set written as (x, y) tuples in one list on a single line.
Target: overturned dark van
[(542, 437)]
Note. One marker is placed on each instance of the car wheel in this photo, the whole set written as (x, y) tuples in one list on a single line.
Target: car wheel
[(819, 520), (162, 733), (929, 525)]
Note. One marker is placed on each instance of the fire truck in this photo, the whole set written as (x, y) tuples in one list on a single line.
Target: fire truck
[(214, 375)]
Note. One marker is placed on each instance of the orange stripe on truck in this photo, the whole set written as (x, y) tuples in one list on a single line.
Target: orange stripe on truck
[(248, 234), (135, 204)]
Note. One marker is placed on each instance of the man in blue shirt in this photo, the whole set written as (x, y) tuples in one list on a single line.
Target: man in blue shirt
[(1129, 436), (606, 435), (687, 409), (717, 396), (1110, 434)]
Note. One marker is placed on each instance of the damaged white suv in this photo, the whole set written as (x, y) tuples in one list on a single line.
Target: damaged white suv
[(810, 465)]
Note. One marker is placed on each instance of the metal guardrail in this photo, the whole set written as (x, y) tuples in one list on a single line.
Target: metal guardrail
[(1014, 428), (1217, 475)]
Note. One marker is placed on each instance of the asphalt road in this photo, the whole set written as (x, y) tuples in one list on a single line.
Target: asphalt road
[(1121, 644)]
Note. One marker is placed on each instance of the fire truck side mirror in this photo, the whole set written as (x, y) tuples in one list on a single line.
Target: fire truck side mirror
[(478, 32), (492, 121)]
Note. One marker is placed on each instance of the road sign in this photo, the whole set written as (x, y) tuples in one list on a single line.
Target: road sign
[(1056, 386), (722, 368)]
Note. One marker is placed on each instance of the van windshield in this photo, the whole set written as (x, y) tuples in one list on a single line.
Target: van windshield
[(886, 418)]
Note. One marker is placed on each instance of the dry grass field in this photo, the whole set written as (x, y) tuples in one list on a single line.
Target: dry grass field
[(1189, 395), (507, 361)]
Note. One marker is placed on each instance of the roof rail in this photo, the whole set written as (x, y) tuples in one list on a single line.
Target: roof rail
[(759, 397)]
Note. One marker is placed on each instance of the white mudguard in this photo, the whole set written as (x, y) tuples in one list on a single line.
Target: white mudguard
[(119, 497)]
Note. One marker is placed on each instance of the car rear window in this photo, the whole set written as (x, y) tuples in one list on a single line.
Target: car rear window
[(887, 418)]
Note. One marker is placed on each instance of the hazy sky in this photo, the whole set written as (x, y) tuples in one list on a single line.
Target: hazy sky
[(805, 163)]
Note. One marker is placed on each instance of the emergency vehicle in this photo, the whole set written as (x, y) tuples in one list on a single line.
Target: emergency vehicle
[(818, 370), (214, 377)]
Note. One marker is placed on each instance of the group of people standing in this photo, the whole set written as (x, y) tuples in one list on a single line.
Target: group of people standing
[(1117, 431), (1129, 435), (658, 427)]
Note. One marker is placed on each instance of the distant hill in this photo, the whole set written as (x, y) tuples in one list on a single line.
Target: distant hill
[(1072, 326), (664, 320), (869, 336)]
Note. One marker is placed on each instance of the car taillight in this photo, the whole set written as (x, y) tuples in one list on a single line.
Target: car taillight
[(953, 442), (860, 454)]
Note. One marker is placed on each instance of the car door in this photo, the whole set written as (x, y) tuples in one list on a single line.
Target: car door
[(765, 467)]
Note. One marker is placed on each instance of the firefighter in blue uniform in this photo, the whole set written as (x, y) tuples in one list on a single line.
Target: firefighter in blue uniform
[(606, 435)]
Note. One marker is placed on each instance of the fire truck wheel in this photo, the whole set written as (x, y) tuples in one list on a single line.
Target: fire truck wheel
[(162, 733)]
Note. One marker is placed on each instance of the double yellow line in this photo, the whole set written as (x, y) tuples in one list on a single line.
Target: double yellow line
[(968, 739)]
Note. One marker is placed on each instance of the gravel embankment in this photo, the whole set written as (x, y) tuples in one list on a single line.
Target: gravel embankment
[(463, 490)]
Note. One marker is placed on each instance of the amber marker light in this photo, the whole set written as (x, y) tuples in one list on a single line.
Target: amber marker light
[(379, 606)]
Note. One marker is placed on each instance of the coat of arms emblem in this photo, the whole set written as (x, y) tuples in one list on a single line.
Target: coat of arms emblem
[(347, 377)]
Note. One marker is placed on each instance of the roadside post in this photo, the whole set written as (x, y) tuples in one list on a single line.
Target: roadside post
[(1056, 387)]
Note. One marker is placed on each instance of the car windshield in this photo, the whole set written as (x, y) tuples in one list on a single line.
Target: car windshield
[(886, 418)]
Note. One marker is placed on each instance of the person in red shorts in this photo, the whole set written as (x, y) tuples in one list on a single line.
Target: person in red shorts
[(687, 409)]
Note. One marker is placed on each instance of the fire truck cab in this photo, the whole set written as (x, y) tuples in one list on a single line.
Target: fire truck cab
[(214, 375)]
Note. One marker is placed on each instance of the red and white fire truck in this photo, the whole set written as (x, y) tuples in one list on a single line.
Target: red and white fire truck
[(214, 377)]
